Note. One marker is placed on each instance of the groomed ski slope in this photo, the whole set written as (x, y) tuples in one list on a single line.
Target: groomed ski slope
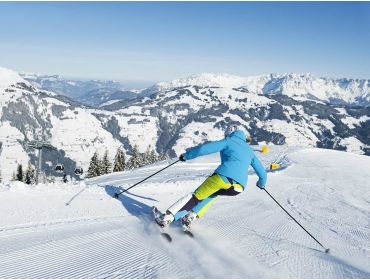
[(248, 236)]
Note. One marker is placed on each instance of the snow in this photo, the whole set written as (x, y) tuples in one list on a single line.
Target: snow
[(195, 133), (139, 129), (353, 122), (11, 151), (294, 136), (246, 236), (79, 130), (353, 145), (110, 102), (8, 77), (204, 80), (294, 85)]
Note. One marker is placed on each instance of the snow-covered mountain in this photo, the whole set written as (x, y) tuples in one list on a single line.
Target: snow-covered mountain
[(90, 92), (177, 118), (28, 113), (304, 86), (299, 86), (106, 96), (170, 117)]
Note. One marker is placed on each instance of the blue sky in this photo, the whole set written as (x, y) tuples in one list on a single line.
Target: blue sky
[(143, 42)]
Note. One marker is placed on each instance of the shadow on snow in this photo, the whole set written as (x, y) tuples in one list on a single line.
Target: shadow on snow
[(133, 206)]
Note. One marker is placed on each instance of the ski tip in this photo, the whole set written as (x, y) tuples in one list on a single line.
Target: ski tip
[(189, 233), (167, 236), (327, 251)]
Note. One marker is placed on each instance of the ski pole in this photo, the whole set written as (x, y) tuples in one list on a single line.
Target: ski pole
[(116, 195), (326, 249)]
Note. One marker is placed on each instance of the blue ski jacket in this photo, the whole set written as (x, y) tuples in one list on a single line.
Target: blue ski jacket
[(236, 156)]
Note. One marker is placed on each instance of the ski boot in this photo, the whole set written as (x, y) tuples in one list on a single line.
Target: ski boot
[(163, 220), (188, 219)]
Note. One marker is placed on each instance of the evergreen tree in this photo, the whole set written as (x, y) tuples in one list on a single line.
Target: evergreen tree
[(152, 156), (145, 157), (163, 156), (30, 175), (19, 176), (136, 158), (94, 167), (119, 161), (105, 164), (149, 156)]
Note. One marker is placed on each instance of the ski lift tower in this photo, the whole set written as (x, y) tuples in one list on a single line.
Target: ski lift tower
[(39, 145)]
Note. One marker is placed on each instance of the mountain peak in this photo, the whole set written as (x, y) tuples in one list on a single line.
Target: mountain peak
[(8, 77), (204, 80), (226, 80), (291, 84)]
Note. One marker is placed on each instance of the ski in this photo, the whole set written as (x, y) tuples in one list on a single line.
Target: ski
[(156, 214), (166, 236), (188, 233)]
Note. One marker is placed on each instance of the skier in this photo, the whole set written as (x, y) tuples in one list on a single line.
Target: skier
[(230, 178)]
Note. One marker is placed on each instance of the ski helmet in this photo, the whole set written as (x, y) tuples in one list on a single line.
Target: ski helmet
[(234, 127)]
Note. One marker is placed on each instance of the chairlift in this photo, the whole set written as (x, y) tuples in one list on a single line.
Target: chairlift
[(59, 168), (79, 171)]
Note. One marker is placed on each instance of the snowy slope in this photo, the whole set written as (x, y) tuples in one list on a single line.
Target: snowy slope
[(28, 113), (7, 77), (247, 236)]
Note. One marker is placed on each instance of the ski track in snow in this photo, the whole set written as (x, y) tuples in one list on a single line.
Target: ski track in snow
[(247, 236)]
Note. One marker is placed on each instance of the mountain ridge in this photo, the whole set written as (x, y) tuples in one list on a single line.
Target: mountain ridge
[(169, 120), (334, 91)]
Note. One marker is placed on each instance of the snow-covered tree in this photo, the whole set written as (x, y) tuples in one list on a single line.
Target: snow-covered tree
[(19, 176), (152, 156), (135, 159), (162, 156), (94, 167), (30, 175), (119, 161), (149, 156), (105, 165), (145, 157)]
